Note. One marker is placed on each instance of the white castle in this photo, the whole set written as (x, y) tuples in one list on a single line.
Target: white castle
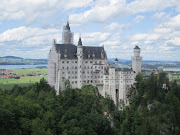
[(85, 65)]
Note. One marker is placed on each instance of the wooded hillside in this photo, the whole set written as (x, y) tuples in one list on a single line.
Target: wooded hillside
[(154, 110)]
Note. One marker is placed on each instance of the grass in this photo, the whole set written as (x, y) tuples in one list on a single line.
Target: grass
[(30, 70), (23, 81)]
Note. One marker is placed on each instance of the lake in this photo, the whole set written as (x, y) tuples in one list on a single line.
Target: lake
[(20, 66)]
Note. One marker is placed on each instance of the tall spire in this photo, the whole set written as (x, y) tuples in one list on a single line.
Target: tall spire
[(67, 35), (67, 25), (80, 42)]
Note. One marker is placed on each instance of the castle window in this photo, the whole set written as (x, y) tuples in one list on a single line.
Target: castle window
[(75, 72), (75, 77), (72, 61), (62, 67), (102, 67), (90, 61), (69, 72), (67, 61), (75, 61), (86, 61), (67, 67), (72, 82), (100, 62), (63, 78), (75, 81), (62, 61), (62, 72), (69, 77), (72, 72), (75, 67), (91, 81)]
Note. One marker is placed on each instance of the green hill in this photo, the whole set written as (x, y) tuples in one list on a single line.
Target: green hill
[(12, 60)]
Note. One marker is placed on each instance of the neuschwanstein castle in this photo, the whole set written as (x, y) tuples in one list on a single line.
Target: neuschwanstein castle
[(85, 65)]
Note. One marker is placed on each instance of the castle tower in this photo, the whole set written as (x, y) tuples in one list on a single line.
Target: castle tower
[(136, 60), (116, 63), (67, 35), (80, 61)]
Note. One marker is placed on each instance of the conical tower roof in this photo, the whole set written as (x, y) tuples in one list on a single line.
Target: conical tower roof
[(136, 47), (79, 42)]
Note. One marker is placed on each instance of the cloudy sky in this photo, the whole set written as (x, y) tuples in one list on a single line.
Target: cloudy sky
[(28, 27)]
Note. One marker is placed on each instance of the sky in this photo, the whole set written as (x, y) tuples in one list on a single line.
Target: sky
[(28, 27)]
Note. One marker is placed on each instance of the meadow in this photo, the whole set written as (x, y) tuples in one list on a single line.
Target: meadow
[(9, 83), (30, 71)]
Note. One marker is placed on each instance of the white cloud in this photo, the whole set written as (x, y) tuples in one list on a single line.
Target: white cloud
[(32, 10), (115, 27), (38, 41), (111, 9), (138, 18), (174, 42), (160, 16)]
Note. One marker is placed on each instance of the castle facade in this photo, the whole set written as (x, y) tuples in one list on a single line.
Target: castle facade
[(85, 65)]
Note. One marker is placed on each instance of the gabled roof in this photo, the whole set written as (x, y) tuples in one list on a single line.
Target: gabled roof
[(70, 50)]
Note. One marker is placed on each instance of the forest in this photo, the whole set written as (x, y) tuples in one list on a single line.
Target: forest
[(36, 109)]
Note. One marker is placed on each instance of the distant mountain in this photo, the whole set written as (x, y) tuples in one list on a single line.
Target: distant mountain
[(12, 60), (12, 57), (111, 60)]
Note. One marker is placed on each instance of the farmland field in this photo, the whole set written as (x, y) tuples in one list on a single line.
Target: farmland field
[(23, 81), (36, 75)]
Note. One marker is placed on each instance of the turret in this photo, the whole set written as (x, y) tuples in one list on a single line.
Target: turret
[(116, 63), (80, 62), (67, 35), (137, 51), (80, 48), (136, 60)]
